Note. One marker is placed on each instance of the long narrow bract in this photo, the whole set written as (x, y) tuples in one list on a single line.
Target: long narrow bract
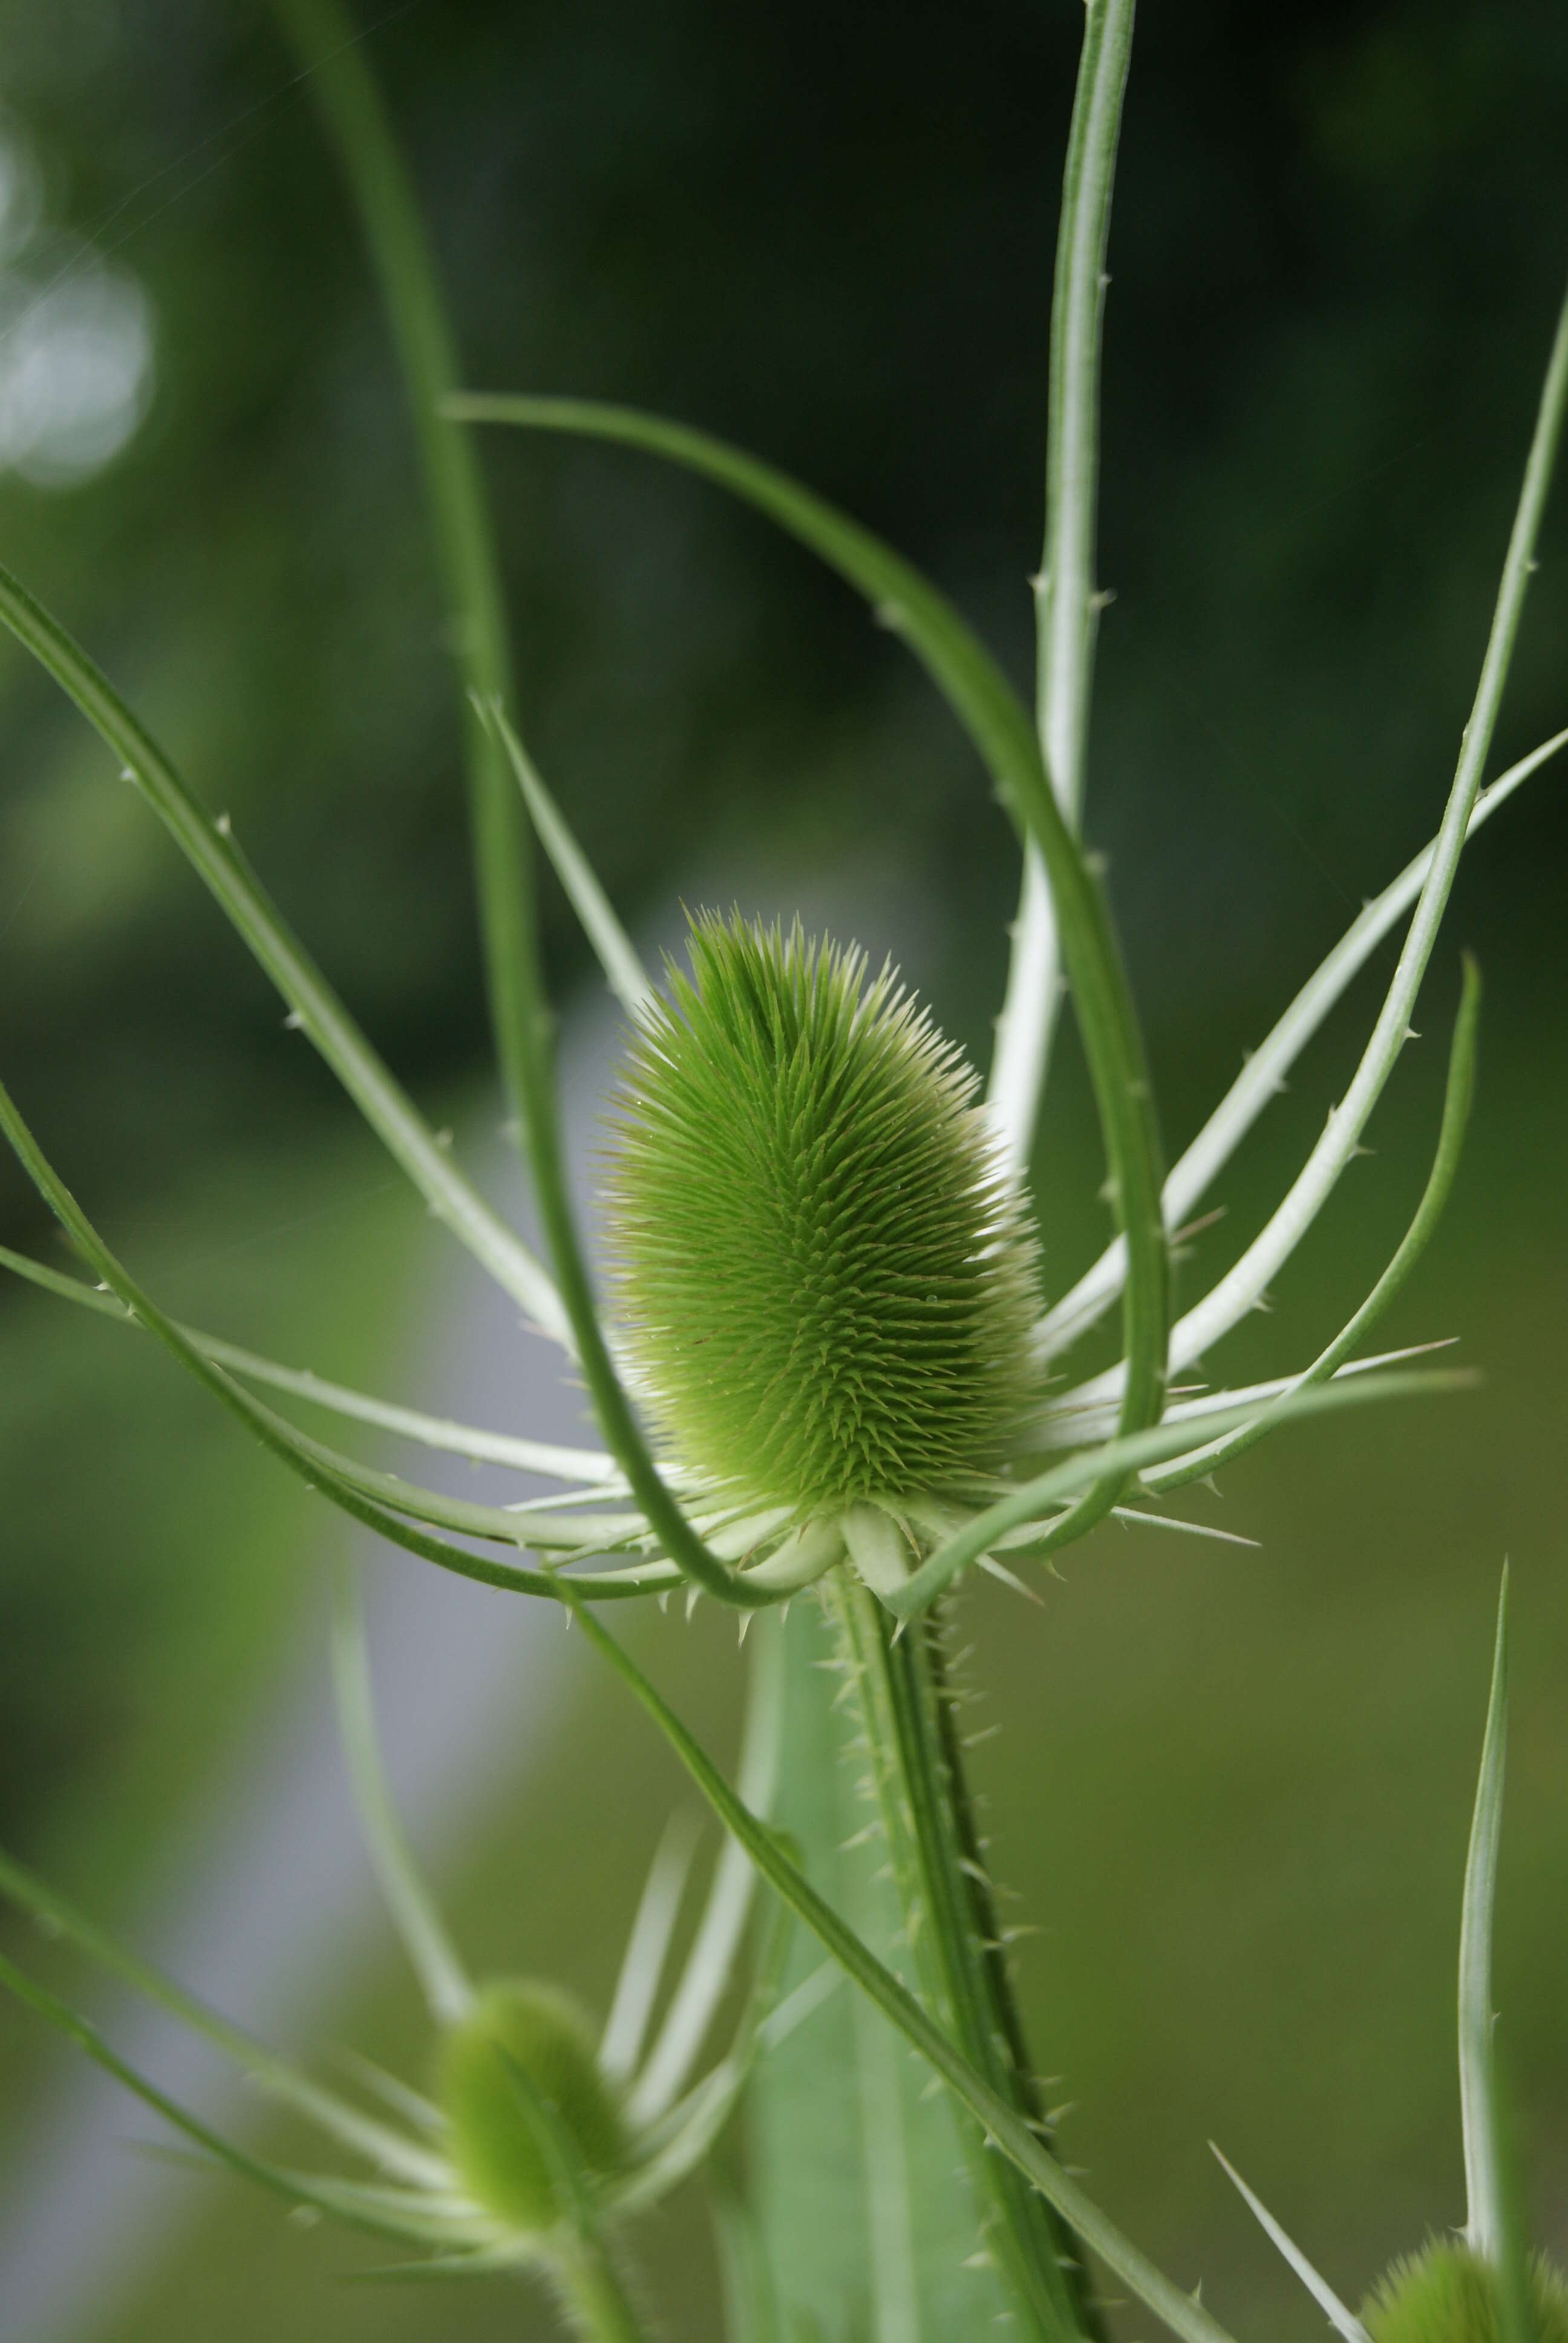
[(1485, 2178), (315, 1010), (1263, 1077), (1457, 1095), (1317, 2286), (1243, 1286), (1067, 605), (550, 1458)]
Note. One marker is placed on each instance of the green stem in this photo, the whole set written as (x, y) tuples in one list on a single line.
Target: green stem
[(938, 1862), (355, 115), (593, 2293)]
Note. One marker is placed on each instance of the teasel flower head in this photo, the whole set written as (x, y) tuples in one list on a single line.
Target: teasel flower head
[(827, 1282), (516, 2037)]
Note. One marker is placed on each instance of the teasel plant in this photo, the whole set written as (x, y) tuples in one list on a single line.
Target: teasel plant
[(823, 1367), (1479, 2284)]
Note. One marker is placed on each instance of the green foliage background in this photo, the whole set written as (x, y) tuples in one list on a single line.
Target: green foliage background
[(1233, 1787)]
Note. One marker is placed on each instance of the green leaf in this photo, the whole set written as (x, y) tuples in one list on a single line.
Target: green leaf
[(841, 2116), (944, 1922), (1494, 2221)]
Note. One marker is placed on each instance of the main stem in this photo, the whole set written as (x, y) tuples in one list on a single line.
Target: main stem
[(594, 2296), (938, 1861)]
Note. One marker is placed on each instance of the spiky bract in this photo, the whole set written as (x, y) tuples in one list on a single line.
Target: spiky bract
[(1446, 2294), (523, 2048), (826, 1284)]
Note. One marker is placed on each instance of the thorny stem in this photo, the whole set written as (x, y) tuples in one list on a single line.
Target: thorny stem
[(937, 1858)]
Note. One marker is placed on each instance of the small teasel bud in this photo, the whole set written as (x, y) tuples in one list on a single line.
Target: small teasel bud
[(1447, 2294), (521, 2029), (826, 1281)]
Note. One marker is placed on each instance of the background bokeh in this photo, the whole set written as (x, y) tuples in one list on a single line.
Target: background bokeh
[(1234, 1787)]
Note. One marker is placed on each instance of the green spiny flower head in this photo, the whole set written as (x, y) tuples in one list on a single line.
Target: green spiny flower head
[(826, 1284), (1446, 2294), (520, 2038)]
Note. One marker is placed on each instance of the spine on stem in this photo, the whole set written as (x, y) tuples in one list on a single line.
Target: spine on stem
[(937, 1859)]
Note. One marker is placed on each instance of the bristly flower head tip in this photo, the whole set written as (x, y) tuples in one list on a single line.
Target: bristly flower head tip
[(1448, 2293)]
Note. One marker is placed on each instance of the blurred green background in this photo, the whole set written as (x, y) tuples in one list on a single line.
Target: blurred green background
[(1233, 1787)]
